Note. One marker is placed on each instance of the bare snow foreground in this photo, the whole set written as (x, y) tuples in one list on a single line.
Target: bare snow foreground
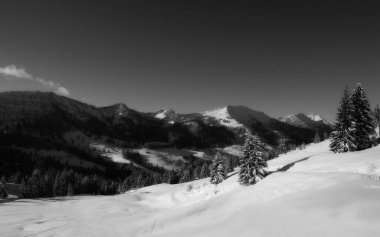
[(319, 194)]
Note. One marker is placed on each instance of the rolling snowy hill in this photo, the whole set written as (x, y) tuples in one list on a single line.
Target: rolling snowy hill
[(312, 192)]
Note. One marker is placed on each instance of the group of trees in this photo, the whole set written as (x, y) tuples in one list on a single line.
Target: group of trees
[(52, 183), (220, 167), (47, 177), (252, 163), (355, 125)]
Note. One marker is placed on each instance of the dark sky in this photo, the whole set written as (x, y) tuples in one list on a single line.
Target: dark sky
[(280, 57)]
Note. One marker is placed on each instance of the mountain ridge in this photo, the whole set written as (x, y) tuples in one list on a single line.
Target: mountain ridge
[(123, 123)]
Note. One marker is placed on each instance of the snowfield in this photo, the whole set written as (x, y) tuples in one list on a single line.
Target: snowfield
[(311, 192)]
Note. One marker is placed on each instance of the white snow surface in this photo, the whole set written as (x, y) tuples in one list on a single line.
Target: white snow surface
[(223, 117), (114, 153), (318, 193)]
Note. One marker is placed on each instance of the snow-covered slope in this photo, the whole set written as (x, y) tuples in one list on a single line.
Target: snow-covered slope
[(313, 193), (293, 120), (223, 117)]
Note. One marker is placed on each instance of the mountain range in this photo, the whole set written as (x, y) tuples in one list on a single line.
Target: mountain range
[(61, 122)]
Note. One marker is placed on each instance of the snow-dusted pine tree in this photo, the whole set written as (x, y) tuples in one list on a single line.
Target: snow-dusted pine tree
[(228, 165), (376, 116), (282, 147), (364, 124), (342, 138), (253, 163), (217, 169), (3, 193), (317, 138), (185, 176)]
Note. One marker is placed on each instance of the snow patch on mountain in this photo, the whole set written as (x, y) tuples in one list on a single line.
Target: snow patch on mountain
[(235, 150), (165, 113), (114, 153), (293, 120), (318, 118), (223, 117)]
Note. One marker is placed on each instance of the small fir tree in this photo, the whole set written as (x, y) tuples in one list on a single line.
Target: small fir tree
[(185, 176), (3, 193), (228, 165), (317, 139), (217, 169), (282, 147), (253, 163), (205, 171)]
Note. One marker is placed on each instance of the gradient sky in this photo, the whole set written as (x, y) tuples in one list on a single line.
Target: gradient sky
[(280, 57)]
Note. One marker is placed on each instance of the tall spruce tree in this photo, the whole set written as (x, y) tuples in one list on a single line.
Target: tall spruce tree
[(253, 163), (362, 116), (376, 116), (217, 170), (342, 138)]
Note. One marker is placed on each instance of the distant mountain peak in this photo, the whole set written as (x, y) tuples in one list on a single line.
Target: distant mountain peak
[(317, 118), (305, 121), (164, 113), (237, 116), (223, 116)]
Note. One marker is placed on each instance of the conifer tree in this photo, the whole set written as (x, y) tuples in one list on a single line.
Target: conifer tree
[(317, 139), (185, 176), (3, 193), (228, 165), (362, 116), (376, 116), (70, 191), (34, 184), (205, 171), (196, 172), (166, 177), (252, 163), (217, 170), (342, 138), (282, 146)]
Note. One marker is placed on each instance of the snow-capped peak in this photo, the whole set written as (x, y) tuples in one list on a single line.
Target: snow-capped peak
[(223, 117), (164, 113), (302, 120), (293, 119), (317, 118)]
